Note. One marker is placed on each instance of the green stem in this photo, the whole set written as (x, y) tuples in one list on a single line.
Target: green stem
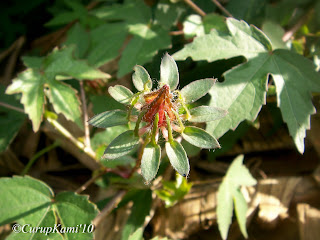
[(155, 129), (136, 130), (37, 155), (179, 120), (69, 136), (170, 137)]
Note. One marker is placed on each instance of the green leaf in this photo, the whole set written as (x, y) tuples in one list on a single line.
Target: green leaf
[(224, 209), (121, 145), (206, 114), (193, 26), (137, 235), (78, 36), (169, 72), (141, 78), (109, 119), (214, 21), (106, 41), (172, 192), (142, 200), (38, 207), (64, 100), (242, 40), (145, 44), (199, 138), (121, 94), (30, 84), (178, 157), (197, 89), (10, 121), (241, 208), (275, 32), (33, 62), (167, 14), (61, 62), (150, 161), (294, 77), (73, 209), (237, 175)]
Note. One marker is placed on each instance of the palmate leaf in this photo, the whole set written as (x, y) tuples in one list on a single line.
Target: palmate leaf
[(30, 83), (39, 207), (169, 72), (244, 90), (178, 157), (109, 119), (41, 75), (228, 193), (197, 89), (121, 94)]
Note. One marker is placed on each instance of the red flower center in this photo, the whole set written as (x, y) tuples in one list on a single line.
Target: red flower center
[(159, 102)]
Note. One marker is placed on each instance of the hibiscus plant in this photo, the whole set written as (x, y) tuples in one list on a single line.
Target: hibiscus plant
[(162, 111)]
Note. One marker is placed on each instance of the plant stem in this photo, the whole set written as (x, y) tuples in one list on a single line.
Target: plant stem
[(109, 207), (69, 136), (37, 155), (225, 11), (85, 116), (195, 7), (11, 107), (154, 129), (91, 180), (170, 137), (297, 26)]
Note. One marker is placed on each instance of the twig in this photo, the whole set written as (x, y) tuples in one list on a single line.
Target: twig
[(91, 180), (11, 107), (222, 8), (109, 207), (37, 155), (296, 26), (69, 136), (195, 7), (85, 117), (176, 33)]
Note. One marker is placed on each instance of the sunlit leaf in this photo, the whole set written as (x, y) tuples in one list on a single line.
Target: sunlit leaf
[(121, 94), (30, 84), (206, 114), (199, 138), (178, 157), (141, 78), (150, 161), (197, 89), (169, 72), (229, 194)]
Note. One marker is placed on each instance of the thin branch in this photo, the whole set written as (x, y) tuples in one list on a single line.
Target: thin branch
[(11, 107), (85, 117), (222, 8), (69, 136), (176, 33), (296, 26), (195, 7), (91, 180), (109, 207), (37, 155)]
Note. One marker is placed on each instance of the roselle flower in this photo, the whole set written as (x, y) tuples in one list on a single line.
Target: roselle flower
[(159, 113)]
